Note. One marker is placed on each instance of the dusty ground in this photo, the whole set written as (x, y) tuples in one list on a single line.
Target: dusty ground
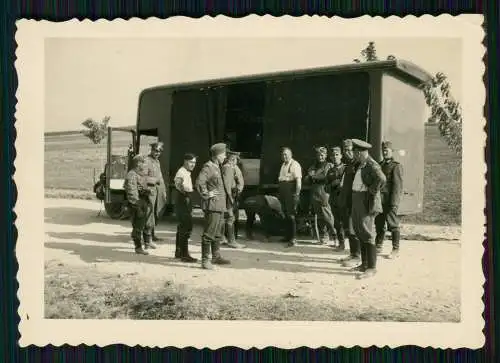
[(423, 284)]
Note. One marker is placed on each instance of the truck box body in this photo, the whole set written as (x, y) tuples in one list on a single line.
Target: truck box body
[(259, 114)]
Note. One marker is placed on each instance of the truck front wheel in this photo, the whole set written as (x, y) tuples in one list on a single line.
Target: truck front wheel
[(116, 210)]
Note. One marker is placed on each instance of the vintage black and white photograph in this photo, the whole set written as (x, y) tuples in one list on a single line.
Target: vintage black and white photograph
[(265, 178)]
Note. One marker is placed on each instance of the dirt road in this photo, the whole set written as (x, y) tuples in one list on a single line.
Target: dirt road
[(425, 278)]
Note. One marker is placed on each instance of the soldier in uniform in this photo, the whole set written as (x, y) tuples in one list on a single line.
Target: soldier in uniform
[(211, 188), (270, 213), (183, 208), (366, 204), (344, 204), (289, 185), (233, 182), (159, 195), (334, 178), (139, 188), (320, 198), (391, 196)]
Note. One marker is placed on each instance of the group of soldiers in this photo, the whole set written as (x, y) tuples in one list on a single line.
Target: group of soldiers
[(353, 197)]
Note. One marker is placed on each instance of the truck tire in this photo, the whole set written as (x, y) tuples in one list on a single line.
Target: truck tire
[(117, 210)]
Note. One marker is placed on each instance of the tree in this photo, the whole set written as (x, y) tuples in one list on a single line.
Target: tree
[(445, 110), (96, 130)]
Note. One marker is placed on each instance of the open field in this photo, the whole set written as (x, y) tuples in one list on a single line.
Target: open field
[(91, 271), (72, 161)]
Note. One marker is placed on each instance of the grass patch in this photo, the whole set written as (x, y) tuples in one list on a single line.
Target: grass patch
[(72, 163), (83, 293)]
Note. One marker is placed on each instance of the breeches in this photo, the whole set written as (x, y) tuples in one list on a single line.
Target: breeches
[(388, 217), (214, 225), (362, 221), (142, 219)]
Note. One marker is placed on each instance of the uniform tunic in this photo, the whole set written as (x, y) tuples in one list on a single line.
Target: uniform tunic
[(159, 196), (391, 196), (210, 179), (366, 203), (183, 203), (320, 197), (142, 217)]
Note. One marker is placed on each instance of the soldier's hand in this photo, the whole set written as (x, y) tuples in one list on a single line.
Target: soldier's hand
[(212, 194)]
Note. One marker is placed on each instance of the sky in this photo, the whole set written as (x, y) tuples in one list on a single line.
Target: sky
[(96, 77)]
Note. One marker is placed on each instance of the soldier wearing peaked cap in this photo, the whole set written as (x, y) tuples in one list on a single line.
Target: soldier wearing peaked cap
[(391, 196), (210, 186), (139, 188), (159, 195), (320, 198), (366, 204)]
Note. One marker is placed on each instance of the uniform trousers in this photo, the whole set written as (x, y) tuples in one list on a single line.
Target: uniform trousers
[(363, 222), (325, 216), (141, 215), (183, 211)]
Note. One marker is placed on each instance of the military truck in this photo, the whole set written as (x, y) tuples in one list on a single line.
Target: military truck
[(301, 108)]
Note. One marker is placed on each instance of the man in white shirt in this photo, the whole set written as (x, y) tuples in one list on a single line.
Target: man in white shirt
[(183, 208), (290, 184)]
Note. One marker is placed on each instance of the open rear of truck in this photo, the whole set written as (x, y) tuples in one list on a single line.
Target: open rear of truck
[(257, 115)]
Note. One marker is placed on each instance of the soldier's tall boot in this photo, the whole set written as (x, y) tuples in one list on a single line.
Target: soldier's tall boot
[(205, 255), (395, 244), (364, 258), (371, 260), (178, 253), (355, 248), (185, 257), (138, 247), (231, 241), (379, 241), (217, 259)]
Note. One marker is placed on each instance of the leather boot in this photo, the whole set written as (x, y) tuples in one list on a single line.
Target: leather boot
[(231, 241), (205, 256), (371, 260), (364, 259), (354, 257), (217, 259), (379, 241), (148, 244), (395, 244), (138, 247), (185, 257), (178, 253)]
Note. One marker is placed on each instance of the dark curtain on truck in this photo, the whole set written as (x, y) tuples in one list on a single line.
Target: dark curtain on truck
[(216, 104), (308, 112)]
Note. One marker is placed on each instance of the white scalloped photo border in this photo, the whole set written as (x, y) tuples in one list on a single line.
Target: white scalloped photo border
[(29, 178)]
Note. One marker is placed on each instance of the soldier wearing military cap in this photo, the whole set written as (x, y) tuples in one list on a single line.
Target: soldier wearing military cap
[(184, 207), (391, 196), (234, 184), (289, 185), (159, 195), (212, 190), (344, 203), (366, 204), (139, 188), (320, 198), (334, 179)]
